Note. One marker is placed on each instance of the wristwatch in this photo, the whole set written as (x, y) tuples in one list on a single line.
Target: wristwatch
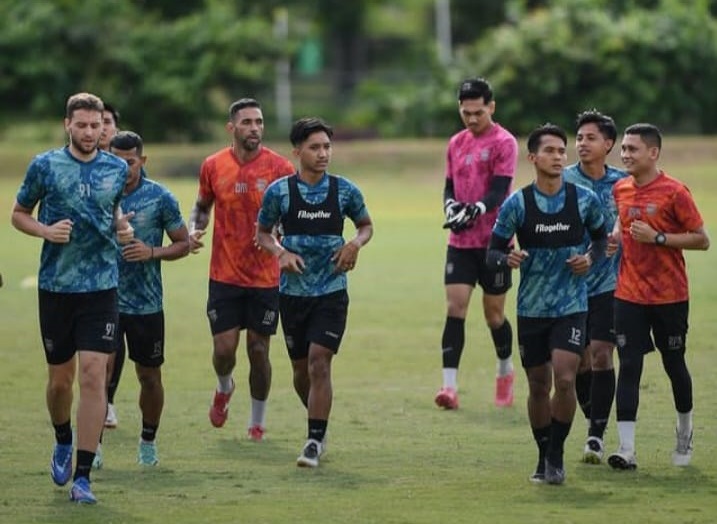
[(660, 239)]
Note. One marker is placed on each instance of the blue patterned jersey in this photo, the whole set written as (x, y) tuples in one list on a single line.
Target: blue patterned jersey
[(156, 211), (319, 277), (603, 275), (87, 193), (548, 287)]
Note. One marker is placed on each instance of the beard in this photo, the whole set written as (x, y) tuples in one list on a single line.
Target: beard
[(249, 143), (83, 147)]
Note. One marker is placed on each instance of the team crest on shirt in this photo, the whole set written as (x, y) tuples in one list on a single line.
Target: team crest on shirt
[(621, 340), (634, 212), (651, 208), (485, 154), (468, 160), (260, 184)]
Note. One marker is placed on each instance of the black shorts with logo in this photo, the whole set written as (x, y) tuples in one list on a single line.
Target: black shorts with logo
[(144, 338), (601, 317), (641, 327), (321, 320), (538, 337), (231, 307), (71, 322), (468, 266)]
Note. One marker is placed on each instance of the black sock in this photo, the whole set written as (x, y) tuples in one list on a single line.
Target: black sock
[(558, 433), (149, 432), (453, 341), (583, 386), (602, 393), (503, 340), (63, 433), (317, 428), (84, 464), (542, 439)]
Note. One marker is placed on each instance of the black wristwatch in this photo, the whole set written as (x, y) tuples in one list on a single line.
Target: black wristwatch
[(660, 239)]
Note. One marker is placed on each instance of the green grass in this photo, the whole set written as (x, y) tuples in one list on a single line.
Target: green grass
[(393, 456)]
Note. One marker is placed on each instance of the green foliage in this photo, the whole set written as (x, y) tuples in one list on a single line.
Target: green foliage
[(173, 67), (165, 74), (646, 65), (553, 62)]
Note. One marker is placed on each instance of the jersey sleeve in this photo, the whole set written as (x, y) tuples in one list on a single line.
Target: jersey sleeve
[(285, 167), (32, 189), (594, 217), (353, 203), (270, 211), (509, 216), (506, 161), (686, 211), (206, 192), (171, 214)]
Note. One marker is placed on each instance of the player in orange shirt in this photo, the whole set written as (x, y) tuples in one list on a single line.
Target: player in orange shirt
[(243, 280), (657, 219)]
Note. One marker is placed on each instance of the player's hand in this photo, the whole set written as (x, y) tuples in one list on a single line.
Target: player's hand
[(291, 262), (59, 232), (613, 243), (125, 231), (580, 264), (345, 258), (642, 232), (460, 216), (451, 208), (136, 251), (195, 240), (515, 258)]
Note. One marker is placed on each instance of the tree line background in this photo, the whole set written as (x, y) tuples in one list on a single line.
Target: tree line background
[(371, 67)]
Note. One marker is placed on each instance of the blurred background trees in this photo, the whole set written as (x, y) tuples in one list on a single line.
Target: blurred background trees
[(371, 67)]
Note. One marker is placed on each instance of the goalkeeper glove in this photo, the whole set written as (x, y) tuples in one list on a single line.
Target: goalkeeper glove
[(454, 212), (466, 217)]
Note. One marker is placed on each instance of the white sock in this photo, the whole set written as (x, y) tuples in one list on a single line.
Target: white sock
[(449, 378), (626, 431), (684, 423), (226, 383), (258, 411), (505, 366)]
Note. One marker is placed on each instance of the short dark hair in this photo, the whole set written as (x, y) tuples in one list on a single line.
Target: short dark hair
[(474, 88), (126, 141), (649, 133), (539, 132), (240, 104), (83, 101), (605, 124), (304, 127), (115, 114)]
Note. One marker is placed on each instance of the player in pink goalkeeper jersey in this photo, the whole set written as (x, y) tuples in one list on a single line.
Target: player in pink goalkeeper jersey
[(480, 165)]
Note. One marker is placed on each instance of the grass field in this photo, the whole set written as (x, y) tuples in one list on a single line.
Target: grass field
[(393, 456)]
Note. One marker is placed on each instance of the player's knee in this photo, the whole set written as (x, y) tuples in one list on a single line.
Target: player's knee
[(149, 378), (602, 356)]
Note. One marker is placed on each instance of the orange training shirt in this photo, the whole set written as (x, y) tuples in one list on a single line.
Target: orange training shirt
[(648, 273), (237, 190)]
